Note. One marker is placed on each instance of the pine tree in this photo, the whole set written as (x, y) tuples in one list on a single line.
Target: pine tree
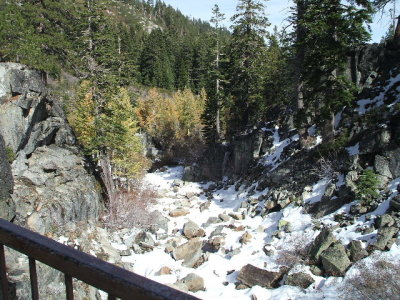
[(247, 59), (214, 103), (326, 32)]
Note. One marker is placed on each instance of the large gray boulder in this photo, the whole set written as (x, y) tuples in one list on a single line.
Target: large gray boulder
[(7, 208), (335, 260), (53, 188), (322, 242), (190, 252)]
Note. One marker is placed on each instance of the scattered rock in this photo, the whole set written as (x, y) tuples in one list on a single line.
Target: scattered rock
[(204, 206), (300, 279), (189, 252), (224, 217), (250, 276), (385, 234), (245, 238), (384, 221), (217, 231), (237, 216), (145, 240), (321, 243), (192, 230), (125, 252), (316, 270), (211, 220), (193, 282), (178, 212), (164, 271), (214, 244), (357, 252), (335, 260), (395, 203), (381, 165)]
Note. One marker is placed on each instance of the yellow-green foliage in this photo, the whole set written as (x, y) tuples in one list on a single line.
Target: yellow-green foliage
[(11, 156), (105, 125), (81, 116), (173, 121)]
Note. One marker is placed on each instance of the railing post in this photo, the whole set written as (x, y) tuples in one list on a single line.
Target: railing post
[(3, 274), (34, 279), (69, 287)]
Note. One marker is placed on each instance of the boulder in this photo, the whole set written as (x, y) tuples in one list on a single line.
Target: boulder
[(385, 235), (335, 260), (395, 203), (145, 241), (322, 242), (381, 165), (299, 279), (164, 271), (178, 212), (385, 221), (7, 206), (159, 222), (394, 162), (357, 252), (250, 276), (192, 230), (193, 283), (246, 238), (190, 252)]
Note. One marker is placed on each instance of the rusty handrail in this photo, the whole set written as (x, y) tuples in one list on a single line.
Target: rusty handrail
[(117, 282)]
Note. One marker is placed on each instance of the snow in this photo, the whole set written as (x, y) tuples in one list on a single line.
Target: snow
[(354, 150), (273, 159), (338, 118), (221, 286), (365, 105), (317, 191)]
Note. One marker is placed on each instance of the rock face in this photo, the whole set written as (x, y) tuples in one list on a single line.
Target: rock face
[(28, 118), (7, 208), (52, 185), (49, 181)]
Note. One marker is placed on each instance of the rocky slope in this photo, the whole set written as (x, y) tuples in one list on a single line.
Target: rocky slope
[(48, 187)]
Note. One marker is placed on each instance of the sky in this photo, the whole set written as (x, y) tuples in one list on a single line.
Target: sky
[(277, 12)]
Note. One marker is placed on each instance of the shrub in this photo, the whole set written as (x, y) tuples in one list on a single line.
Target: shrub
[(11, 156), (378, 280), (367, 186), (131, 209)]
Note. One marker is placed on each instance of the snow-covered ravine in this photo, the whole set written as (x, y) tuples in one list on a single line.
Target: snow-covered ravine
[(246, 240)]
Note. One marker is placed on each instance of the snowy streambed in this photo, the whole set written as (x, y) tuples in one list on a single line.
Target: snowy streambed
[(221, 269)]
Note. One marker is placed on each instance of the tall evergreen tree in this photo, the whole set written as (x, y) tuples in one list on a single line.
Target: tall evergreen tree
[(214, 102), (327, 30), (247, 59)]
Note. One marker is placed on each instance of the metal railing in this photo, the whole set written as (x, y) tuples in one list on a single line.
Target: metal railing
[(117, 282)]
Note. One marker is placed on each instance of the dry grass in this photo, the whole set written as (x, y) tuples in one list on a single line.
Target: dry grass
[(298, 253), (379, 280)]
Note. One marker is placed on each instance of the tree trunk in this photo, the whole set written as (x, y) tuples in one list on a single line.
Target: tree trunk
[(299, 68), (396, 37), (217, 87)]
